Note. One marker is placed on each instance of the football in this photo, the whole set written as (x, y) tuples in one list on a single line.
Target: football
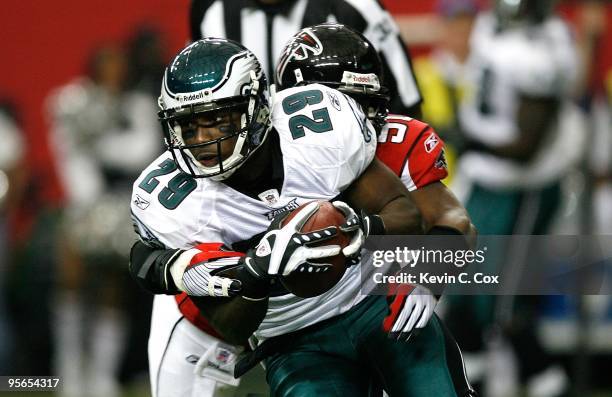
[(308, 282)]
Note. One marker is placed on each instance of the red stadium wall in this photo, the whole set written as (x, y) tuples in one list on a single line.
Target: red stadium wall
[(46, 43)]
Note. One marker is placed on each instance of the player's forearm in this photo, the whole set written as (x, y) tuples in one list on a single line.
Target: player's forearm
[(234, 318), (454, 218), (440, 208), (401, 216), (534, 118), (521, 151), (378, 191), (149, 267)]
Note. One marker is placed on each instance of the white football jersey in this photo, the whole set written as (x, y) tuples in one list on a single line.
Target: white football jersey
[(326, 143), (534, 61)]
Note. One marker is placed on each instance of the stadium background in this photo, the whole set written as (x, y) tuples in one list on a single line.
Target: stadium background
[(45, 44)]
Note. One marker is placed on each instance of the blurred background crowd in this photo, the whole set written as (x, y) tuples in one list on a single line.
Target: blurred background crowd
[(78, 90)]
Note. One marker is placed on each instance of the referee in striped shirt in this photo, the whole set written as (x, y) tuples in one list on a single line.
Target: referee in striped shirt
[(264, 26)]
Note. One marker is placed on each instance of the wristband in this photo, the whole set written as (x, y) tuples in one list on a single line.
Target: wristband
[(439, 230), (376, 225)]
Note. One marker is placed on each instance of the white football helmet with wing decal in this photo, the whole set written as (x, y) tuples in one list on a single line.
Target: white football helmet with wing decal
[(214, 76)]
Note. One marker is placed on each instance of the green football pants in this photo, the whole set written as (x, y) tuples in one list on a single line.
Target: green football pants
[(342, 356)]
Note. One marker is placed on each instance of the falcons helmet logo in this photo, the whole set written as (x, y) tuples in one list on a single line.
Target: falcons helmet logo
[(299, 48)]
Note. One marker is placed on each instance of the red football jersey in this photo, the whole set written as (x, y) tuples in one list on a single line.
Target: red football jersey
[(193, 314), (413, 150)]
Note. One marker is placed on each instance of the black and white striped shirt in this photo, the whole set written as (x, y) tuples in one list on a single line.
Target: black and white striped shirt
[(265, 29)]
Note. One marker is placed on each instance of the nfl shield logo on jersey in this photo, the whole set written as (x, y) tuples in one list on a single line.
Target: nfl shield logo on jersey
[(270, 197), (218, 363), (223, 356)]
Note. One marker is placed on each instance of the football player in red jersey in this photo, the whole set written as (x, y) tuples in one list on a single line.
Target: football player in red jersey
[(409, 147)]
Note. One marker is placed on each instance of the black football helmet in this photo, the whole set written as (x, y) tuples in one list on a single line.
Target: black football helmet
[(339, 57), (214, 76)]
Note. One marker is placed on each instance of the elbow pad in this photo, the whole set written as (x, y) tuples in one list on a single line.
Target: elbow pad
[(150, 268)]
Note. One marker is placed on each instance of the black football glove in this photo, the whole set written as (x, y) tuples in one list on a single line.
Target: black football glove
[(283, 250)]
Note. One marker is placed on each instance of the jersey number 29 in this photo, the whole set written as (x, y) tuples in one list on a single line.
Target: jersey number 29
[(178, 187), (320, 121)]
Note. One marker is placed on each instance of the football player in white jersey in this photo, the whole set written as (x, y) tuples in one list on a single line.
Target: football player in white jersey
[(287, 313), (225, 176), (523, 136), (516, 112)]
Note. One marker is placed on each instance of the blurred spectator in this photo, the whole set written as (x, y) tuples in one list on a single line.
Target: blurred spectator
[(102, 136), (145, 70), (595, 98), (146, 61), (12, 152), (440, 73), (264, 26), (30, 259), (12, 183), (522, 135)]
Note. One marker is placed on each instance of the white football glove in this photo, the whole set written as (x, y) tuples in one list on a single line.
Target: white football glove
[(194, 271), (411, 308)]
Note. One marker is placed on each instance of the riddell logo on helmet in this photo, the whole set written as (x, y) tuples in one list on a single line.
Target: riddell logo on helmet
[(191, 97), (369, 79), (362, 79)]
